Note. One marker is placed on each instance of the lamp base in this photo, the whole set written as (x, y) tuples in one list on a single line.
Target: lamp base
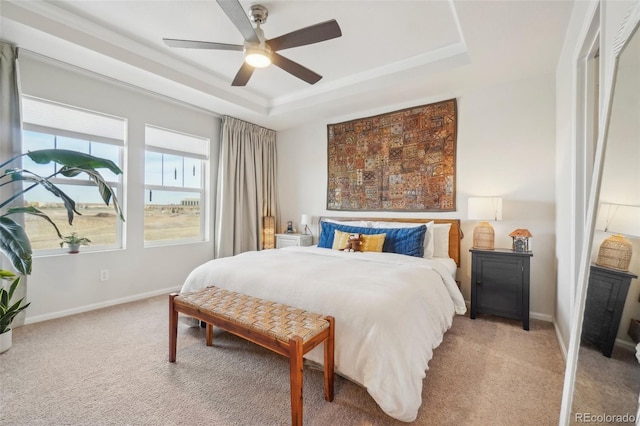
[(483, 236), (615, 253)]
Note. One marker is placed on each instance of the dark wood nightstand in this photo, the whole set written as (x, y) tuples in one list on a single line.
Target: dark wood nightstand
[(606, 294), (500, 284)]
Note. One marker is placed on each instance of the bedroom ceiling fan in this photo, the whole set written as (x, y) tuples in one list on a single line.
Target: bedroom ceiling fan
[(260, 52)]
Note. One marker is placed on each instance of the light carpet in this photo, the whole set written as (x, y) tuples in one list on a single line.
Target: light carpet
[(110, 367)]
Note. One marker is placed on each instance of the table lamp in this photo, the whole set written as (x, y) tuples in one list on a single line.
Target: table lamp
[(306, 220), (484, 209), (620, 219)]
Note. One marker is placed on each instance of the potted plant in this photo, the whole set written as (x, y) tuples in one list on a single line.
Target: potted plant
[(8, 310), (74, 242), (14, 241)]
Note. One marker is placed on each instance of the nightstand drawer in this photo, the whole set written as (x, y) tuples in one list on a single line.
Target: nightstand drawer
[(288, 240)]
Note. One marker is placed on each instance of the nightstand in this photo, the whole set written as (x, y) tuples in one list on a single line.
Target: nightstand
[(500, 284), (288, 240), (606, 294)]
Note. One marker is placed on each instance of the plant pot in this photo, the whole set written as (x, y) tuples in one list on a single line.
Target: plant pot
[(74, 248), (5, 340)]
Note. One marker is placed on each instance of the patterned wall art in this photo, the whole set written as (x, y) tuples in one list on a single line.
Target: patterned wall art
[(399, 161)]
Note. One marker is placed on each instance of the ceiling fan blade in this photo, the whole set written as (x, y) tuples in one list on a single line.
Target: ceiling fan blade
[(244, 74), (233, 9), (308, 35), (295, 69), (193, 44)]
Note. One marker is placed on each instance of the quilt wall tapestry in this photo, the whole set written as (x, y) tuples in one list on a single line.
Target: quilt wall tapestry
[(400, 161)]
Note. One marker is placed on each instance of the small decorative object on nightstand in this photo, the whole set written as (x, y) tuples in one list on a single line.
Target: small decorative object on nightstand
[(520, 239), (288, 240), (606, 295), (289, 227), (500, 284)]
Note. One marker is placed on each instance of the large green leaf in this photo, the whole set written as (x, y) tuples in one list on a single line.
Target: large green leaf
[(28, 176), (34, 212), (14, 243), (106, 192), (69, 158)]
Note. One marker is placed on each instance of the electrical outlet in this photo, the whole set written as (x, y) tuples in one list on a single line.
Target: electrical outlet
[(104, 275)]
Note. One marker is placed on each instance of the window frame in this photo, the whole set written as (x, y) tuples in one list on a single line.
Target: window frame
[(202, 191), (118, 186)]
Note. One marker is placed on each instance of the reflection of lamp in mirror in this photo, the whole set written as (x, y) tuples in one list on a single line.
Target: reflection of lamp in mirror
[(269, 232), (484, 209), (615, 251), (306, 221)]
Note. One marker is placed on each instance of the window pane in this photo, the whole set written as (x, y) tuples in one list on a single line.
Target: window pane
[(171, 215), (152, 168), (32, 141), (172, 170), (97, 221), (71, 144), (192, 173), (108, 152)]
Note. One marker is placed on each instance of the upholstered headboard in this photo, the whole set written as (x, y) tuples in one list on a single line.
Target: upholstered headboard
[(455, 232)]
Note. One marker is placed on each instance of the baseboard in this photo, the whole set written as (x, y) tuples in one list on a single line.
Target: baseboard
[(626, 344), (563, 347), (105, 304)]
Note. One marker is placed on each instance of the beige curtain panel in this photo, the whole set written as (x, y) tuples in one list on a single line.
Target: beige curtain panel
[(246, 186)]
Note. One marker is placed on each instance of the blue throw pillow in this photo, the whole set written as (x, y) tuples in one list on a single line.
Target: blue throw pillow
[(408, 241)]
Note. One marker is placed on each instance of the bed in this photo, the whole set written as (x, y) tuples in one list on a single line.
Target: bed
[(391, 310)]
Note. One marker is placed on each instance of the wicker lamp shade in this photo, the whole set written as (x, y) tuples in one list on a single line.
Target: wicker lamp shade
[(484, 209), (483, 236), (620, 219), (615, 253)]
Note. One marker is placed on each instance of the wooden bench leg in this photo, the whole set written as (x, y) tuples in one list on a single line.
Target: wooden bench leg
[(173, 328), (209, 331), (328, 361), (295, 365)]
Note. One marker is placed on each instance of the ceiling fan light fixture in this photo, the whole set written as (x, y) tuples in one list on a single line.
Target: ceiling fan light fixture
[(257, 58)]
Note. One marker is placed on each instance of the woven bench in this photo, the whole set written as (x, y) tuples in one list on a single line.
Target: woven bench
[(283, 329)]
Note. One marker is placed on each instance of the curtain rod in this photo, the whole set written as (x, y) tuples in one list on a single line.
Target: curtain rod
[(55, 61)]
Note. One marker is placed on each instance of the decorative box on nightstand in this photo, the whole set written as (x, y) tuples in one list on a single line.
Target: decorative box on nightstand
[(288, 240), (500, 284)]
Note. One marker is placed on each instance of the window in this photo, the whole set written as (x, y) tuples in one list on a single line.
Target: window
[(50, 125), (175, 165)]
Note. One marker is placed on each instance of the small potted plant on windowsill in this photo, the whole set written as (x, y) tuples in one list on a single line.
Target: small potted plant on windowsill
[(74, 242)]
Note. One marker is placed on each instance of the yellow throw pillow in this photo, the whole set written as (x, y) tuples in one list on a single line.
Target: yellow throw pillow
[(340, 240), (373, 242)]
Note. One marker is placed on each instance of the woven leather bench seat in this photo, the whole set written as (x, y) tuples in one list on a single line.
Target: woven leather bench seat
[(280, 321), (286, 330)]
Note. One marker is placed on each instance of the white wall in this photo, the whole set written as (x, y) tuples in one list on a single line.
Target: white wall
[(64, 284), (506, 147)]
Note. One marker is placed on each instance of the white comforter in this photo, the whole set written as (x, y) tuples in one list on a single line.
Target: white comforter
[(390, 310)]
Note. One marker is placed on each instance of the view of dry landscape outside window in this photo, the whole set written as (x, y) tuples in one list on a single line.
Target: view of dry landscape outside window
[(98, 223), (178, 220)]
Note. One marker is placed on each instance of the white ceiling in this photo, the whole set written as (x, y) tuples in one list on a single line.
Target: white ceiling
[(391, 53)]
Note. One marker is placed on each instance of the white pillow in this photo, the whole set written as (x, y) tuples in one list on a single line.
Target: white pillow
[(361, 223), (428, 236), (429, 241), (441, 239)]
